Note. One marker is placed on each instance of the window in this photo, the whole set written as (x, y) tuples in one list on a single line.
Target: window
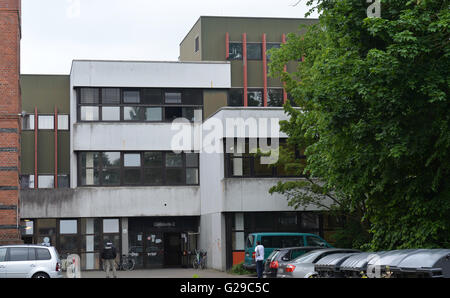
[(46, 181), (138, 168), (138, 105), (63, 122), (315, 241), (43, 254), (197, 44), (275, 97), (110, 226), (111, 113), (153, 168), (254, 51), (132, 168), (172, 97), (88, 113), (2, 254), (89, 96), (18, 254), (28, 122), (131, 96), (255, 98), (46, 122), (235, 51), (310, 221), (250, 164), (281, 241), (90, 162), (110, 96), (236, 97), (26, 181), (152, 96), (63, 181), (111, 168), (68, 226)]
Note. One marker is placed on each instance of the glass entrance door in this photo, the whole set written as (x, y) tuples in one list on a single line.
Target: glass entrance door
[(147, 248)]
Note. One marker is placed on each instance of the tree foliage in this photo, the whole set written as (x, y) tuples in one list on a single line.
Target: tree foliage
[(375, 114)]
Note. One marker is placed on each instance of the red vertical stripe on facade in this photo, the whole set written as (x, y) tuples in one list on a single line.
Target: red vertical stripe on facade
[(244, 59), (264, 57), (227, 45), (56, 147), (283, 40), (35, 148)]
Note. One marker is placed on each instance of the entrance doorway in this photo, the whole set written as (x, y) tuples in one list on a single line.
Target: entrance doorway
[(172, 249)]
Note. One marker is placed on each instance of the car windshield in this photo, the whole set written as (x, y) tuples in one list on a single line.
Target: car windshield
[(308, 257)]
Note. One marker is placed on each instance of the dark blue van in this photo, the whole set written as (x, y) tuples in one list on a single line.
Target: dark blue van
[(272, 241)]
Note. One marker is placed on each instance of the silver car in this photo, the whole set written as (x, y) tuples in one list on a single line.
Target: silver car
[(29, 261), (303, 266)]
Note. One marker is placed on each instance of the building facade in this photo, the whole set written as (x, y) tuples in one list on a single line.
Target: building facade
[(102, 158), (10, 113)]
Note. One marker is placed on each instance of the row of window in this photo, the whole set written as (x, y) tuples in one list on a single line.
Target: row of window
[(44, 181), (45, 122), (141, 105), (255, 97), (137, 168), (15, 254), (254, 50)]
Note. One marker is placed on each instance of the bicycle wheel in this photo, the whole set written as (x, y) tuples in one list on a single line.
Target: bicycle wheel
[(195, 264), (130, 264)]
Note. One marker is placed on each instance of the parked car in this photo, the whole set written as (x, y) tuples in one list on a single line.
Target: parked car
[(281, 257), (272, 241), (29, 261), (303, 266)]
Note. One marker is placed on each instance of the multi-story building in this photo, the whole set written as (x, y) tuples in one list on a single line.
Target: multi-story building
[(10, 112), (98, 159)]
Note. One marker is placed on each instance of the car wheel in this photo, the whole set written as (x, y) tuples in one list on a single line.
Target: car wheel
[(41, 275)]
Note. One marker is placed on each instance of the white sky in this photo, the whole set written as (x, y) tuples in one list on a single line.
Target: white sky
[(54, 32)]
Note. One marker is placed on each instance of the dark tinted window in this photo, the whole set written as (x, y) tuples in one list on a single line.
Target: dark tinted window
[(250, 239), (193, 97), (89, 95), (43, 254), (18, 254), (281, 241), (110, 96), (255, 98), (2, 254), (236, 98), (254, 51), (131, 96), (171, 113), (235, 51), (315, 241), (152, 96), (275, 98), (173, 97), (272, 46)]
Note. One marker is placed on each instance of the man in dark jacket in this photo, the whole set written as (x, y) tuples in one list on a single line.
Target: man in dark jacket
[(108, 256)]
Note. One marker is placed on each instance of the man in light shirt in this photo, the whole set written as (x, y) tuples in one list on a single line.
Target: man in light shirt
[(259, 257)]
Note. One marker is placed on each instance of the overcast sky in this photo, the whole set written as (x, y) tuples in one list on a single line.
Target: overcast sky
[(54, 32)]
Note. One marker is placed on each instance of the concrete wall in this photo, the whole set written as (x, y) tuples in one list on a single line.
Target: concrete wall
[(187, 46), (141, 74), (111, 202), (212, 239)]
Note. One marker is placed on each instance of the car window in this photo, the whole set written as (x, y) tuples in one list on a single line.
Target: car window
[(18, 254), (273, 255), (308, 257), (315, 241), (250, 240), (43, 254), (281, 241), (2, 254), (297, 253)]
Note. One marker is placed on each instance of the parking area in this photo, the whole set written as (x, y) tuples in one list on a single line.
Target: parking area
[(166, 273)]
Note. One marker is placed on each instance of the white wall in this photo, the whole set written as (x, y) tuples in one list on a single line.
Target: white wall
[(156, 74)]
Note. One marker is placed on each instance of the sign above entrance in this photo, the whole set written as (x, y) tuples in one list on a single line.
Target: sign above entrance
[(164, 224)]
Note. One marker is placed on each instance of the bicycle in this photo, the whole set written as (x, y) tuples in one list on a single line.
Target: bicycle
[(199, 259), (126, 263)]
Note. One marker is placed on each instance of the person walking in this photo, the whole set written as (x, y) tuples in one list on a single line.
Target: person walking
[(259, 257), (108, 255)]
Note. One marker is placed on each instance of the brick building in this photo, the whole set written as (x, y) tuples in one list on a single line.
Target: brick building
[(10, 110)]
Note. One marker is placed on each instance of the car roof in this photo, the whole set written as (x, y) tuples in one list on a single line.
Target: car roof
[(24, 245), (283, 234), (299, 247)]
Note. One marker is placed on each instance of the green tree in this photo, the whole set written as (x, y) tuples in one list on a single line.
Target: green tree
[(374, 114)]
